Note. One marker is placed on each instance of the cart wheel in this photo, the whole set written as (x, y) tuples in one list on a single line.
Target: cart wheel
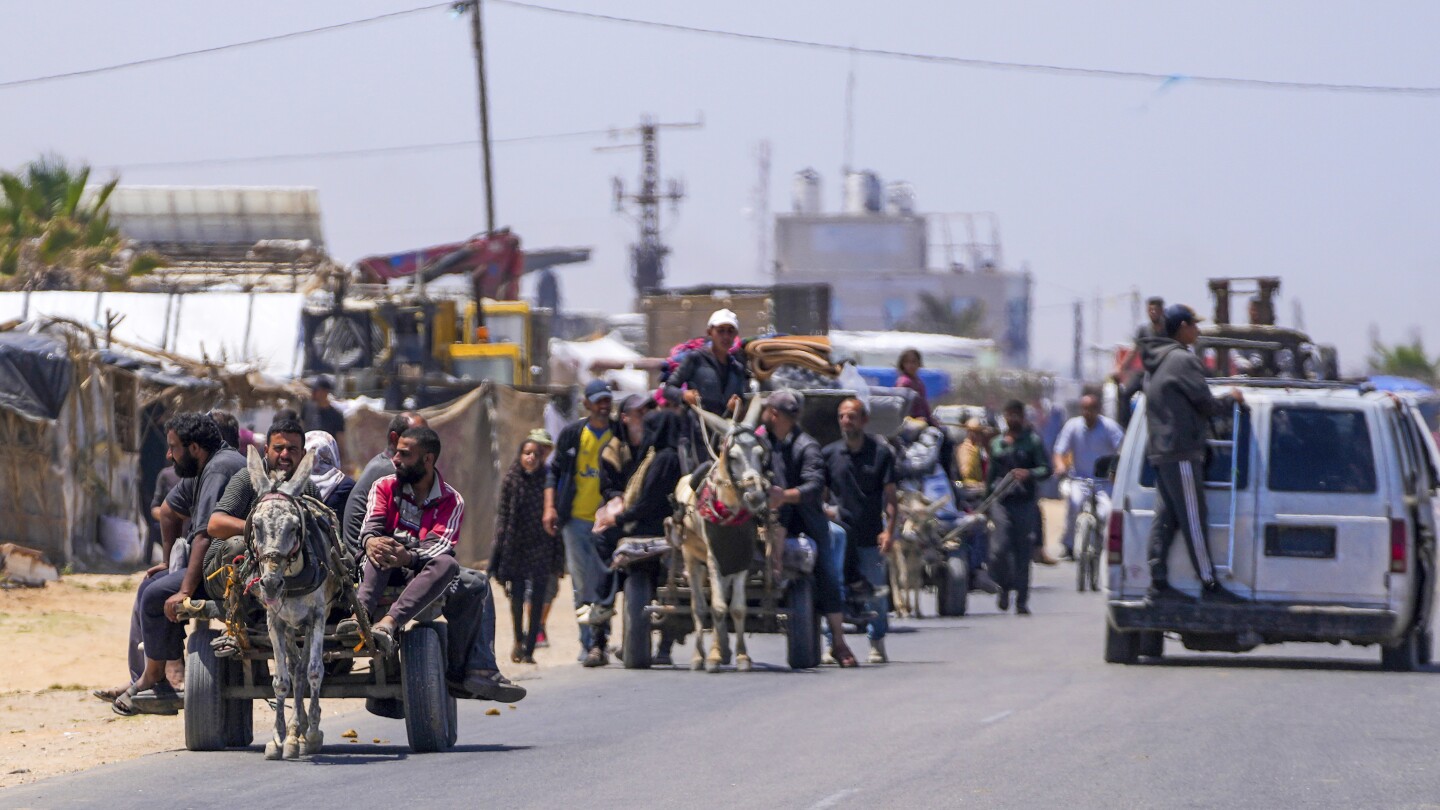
[(802, 631), (204, 704), (385, 707), (240, 712), (452, 719), (952, 596), (422, 673), (636, 626)]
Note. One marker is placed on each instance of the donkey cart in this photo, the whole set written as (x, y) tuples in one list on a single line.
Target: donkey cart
[(409, 683), (658, 597)]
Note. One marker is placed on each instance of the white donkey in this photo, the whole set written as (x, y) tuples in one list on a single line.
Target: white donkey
[(734, 494), (297, 587)]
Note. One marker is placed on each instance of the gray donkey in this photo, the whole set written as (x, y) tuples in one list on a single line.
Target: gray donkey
[(297, 587)]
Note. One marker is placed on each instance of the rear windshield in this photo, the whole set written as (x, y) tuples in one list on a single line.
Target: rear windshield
[(1320, 450)]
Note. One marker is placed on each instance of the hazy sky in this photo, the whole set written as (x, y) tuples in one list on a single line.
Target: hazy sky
[(1100, 185)]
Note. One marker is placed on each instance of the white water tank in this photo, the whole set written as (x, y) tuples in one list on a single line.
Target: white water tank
[(805, 192), (862, 193), (900, 198)]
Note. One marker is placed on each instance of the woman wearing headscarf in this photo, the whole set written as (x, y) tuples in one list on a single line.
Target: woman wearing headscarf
[(326, 475), (646, 504)]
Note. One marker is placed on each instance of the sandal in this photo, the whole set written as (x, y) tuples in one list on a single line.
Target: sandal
[(225, 646), (383, 638), (109, 695), (845, 660), (162, 698)]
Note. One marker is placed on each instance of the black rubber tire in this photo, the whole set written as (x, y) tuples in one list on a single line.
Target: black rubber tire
[(952, 598), (240, 712), (386, 707), (1404, 656), (1152, 644), (204, 702), (422, 673), (635, 627), (452, 720), (1427, 647), (1121, 647), (802, 630)]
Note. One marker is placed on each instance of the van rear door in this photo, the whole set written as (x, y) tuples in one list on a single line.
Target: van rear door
[(1322, 532)]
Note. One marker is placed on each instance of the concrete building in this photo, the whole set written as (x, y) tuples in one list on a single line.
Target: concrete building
[(882, 260)]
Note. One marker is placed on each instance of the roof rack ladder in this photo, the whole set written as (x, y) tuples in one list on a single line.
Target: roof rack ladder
[(1233, 443)]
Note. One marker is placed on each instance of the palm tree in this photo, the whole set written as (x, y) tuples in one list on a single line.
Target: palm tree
[(1405, 360), (54, 236), (938, 316)]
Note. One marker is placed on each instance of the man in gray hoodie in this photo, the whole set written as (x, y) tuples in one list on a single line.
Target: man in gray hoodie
[(1178, 406)]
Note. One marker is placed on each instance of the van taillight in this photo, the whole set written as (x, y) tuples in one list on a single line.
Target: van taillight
[(1399, 545), (1115, 537)]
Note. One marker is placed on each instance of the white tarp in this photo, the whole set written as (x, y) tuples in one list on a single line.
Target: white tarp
[(571, 362), (253, 329), (946, 352)]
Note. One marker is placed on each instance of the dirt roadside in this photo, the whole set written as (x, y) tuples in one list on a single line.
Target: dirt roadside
[(61, 641)]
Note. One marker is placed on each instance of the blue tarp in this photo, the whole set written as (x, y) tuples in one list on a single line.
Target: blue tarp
[(1400, 385), (937, 383)]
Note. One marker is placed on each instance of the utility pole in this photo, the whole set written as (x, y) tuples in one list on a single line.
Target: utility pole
[(477, 34), (761, 211), (1077, 360), (649, 251)]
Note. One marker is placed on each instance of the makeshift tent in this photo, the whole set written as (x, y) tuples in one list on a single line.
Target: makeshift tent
[(251, 330), (576, 362), (480, 435)]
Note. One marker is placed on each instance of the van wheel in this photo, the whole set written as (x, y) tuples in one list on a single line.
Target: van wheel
[(1427, 645), (1404, 656), (1121, 647), (1152, 643)]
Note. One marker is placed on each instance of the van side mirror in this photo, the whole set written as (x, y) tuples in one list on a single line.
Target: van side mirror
[(1105, 467)]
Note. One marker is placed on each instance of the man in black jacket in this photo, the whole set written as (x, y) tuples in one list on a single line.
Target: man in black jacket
[(798, 493), (714, 379), (1178, 406)]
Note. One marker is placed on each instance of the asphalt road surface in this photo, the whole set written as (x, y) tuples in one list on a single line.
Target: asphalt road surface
[(983, 711)]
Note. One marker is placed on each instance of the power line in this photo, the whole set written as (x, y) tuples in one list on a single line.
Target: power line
[(351, 153), (153, 60), (992, 64)]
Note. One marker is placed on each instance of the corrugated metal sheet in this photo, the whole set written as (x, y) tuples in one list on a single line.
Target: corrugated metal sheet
[(233, 215)]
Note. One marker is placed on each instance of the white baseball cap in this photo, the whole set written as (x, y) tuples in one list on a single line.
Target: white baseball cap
[(723, 317)]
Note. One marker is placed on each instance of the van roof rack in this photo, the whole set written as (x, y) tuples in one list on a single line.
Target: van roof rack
[(1280, 382)]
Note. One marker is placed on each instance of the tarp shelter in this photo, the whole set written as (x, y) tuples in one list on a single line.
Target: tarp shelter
[(480, 435), (72, 420), (576, 362), (259, 330)]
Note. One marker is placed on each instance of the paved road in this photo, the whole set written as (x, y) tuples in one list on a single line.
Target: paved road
[(984, 711)]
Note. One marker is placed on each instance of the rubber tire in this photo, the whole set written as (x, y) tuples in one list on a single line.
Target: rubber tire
[(952, 598), (204, 704), (422, 675), (240, 712), (1405, 656), (802, 631), (1083, 562), (1121, 647), (452, 719), (635, 626), (386, 707), (1427, 647), (1152, 644)]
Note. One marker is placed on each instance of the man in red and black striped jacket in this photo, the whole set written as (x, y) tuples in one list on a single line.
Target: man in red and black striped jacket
[(411, 525)]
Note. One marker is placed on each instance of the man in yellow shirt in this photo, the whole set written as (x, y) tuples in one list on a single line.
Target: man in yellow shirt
[(572, 497)]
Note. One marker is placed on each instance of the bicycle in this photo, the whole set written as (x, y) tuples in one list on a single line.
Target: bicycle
[(1088, 532)]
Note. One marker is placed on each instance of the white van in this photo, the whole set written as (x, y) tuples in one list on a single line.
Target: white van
[(1329, 535)]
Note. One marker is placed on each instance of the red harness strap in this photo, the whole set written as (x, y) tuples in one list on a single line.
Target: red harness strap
[(713, 510)]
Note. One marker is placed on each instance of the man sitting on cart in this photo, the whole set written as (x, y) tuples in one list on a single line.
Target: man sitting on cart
[(411, 526)]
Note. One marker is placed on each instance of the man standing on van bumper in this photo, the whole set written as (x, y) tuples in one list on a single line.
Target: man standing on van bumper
[(1178, 406)]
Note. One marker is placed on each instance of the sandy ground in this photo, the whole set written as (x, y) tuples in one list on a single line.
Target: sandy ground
[(59, 642)]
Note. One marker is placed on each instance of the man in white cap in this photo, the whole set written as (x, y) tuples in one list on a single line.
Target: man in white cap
[(712, 377)]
